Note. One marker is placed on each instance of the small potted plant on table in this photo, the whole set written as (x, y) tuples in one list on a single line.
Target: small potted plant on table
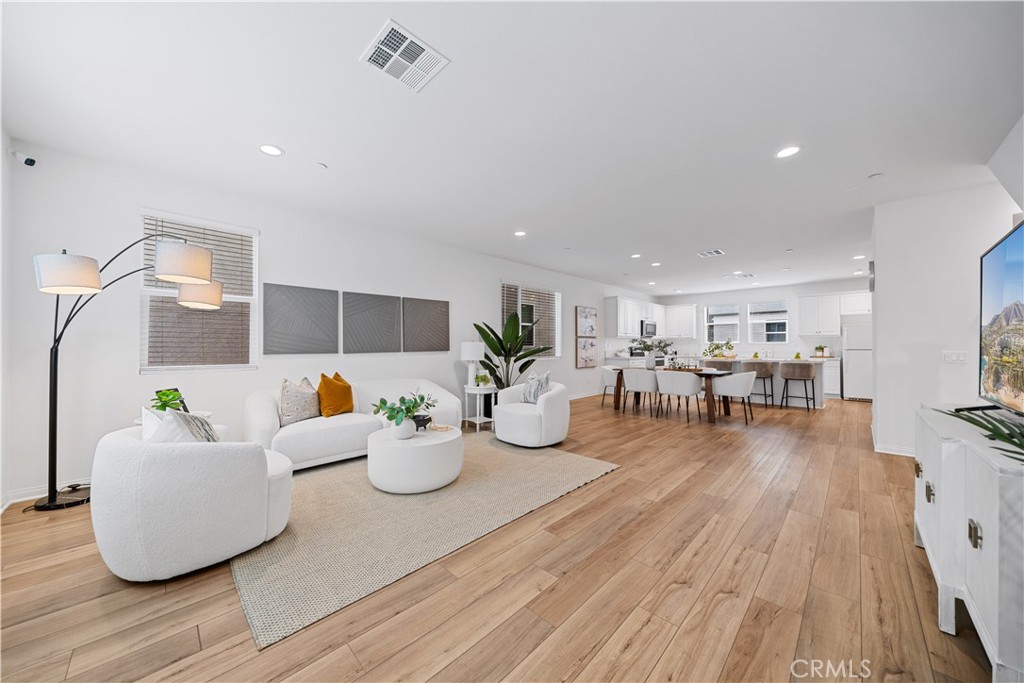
[(404, 413)]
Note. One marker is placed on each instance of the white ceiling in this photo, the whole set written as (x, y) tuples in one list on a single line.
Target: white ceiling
[(600, 129)]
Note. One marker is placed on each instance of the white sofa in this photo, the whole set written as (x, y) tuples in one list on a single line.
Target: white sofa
[(164, 509), (532, 425), (321, 440)]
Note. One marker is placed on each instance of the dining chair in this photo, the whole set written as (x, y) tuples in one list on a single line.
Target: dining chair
[(681, 385), (642, 382), (765, 371), (736, 386), (608, 376), (798, 371)]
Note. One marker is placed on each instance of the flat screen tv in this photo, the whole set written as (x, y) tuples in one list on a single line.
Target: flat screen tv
[(1002, 322)]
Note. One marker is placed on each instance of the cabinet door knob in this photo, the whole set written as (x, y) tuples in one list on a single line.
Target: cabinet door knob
[(974, 533), (917, 468), (929, 492)]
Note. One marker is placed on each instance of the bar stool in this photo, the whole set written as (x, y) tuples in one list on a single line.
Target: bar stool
[(718, 363), (799, 371), (764, 371)]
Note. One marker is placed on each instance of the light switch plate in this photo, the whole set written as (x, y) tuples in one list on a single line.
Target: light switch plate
[(954, 356)]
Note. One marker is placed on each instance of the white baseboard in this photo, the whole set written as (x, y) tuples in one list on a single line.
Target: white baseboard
[(576, 396), (33, 493), (894, 450)]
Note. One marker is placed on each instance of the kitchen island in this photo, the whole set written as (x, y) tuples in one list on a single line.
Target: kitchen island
[(795, 387)]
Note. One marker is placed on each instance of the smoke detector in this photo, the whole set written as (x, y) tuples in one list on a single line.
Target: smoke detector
[(710, 253), (404, 57)]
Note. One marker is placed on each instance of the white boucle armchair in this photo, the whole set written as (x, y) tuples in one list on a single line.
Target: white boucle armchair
[(164, 509), (530, 425)]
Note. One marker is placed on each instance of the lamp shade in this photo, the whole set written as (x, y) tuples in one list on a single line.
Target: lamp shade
[(67, 274), (202, 297), (181, 262), (472, 350)]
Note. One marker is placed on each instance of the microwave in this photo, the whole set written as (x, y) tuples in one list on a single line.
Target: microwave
[(648, 328)]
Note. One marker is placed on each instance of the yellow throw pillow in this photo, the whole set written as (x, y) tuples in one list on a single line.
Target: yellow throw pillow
[(335, 395)]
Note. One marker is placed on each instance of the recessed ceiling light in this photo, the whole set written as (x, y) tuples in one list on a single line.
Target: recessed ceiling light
[(519, 233), (678, 291), (754, 284), (652, 283), (786, 152), (874, 176), (848, 190), (271, 150), (655, 264), (858, 272), (789, 251), (737, 272), (858, 257), (785, 269), (322, 165), (636, 255)]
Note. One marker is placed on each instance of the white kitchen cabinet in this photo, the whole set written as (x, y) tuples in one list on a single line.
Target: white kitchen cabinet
[(969, 518), (855, 303), (819, 315), (623, 316), (832, 373), (681, 321)]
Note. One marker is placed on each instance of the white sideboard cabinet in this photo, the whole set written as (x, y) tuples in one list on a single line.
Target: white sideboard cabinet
[(969, 518)]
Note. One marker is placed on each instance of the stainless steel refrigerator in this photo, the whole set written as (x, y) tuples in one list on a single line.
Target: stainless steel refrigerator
[(858, 363)]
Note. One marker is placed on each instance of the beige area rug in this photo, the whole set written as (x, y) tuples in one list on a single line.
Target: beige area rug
[(345, 539)]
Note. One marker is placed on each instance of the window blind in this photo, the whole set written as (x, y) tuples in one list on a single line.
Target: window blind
[(232, 254), (768, 322), (722, 322), (180, 336), (175, 336), (535, 304)]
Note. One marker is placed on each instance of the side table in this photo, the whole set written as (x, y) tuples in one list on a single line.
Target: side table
[(478, 418)]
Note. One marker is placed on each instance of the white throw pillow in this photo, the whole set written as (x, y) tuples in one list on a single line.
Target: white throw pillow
[(536, 386), (298, 402), (174, 426)]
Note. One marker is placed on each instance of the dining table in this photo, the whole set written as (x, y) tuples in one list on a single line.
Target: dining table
[(707, 374)]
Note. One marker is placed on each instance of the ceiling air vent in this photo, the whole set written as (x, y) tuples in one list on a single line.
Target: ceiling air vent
[(710, 253), (404, 57)]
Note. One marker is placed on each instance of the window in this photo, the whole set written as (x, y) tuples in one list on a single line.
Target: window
[(177, 337), (768, 322), (722, 323), (532, 304)]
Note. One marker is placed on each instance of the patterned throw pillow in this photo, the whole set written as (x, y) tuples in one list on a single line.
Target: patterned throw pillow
[(175, 426), (298, 401), (535, 386)]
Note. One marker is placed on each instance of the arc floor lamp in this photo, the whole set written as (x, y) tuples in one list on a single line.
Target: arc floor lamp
[(70, 274)]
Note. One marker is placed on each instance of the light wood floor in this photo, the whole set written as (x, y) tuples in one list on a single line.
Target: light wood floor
[(713, 553)]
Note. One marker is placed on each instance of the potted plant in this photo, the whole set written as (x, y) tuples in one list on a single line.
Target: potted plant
[(482, 380), (819, 349), (718, 349), (168, 399), (403, 413), (651, 347), (505, 355), (997, 429)]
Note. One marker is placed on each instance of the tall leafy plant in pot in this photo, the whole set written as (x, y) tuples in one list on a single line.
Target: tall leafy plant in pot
[(505, 355)]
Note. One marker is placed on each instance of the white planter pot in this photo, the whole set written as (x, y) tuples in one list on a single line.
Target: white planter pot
[(650, 362), (404, 430)]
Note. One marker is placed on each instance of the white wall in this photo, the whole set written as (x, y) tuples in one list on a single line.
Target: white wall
[(1007, 164), (926, 301), (92, 207), (805, 345)]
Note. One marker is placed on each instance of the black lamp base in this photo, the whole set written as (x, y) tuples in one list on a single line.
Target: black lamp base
[(76, 494)]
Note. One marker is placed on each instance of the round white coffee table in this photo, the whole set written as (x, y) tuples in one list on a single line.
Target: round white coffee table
[(426, 461)]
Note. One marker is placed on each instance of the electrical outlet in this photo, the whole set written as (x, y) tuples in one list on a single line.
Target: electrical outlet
[(954, 356)]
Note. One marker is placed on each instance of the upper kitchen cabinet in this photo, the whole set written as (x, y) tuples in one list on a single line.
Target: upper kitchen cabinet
[(681, 321), (623, 316), (855, 303), (819, 315)]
